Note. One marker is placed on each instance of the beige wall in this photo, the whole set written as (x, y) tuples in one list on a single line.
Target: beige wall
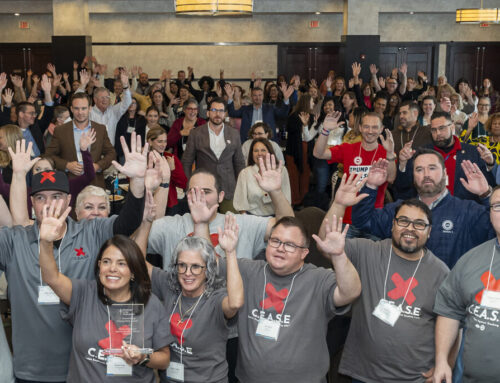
[(40, 29)]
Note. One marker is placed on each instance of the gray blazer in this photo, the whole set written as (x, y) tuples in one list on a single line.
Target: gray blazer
[(227, 167)]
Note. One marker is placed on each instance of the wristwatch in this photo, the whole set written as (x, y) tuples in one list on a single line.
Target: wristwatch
[(145, 361), (164, 185)]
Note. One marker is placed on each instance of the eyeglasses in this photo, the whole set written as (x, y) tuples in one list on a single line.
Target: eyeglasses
[(191, 109), (440, 128), (289, 247), (495, 207), (405, 222), (483, 105), (30, 113), (217, 110), (194, 269)]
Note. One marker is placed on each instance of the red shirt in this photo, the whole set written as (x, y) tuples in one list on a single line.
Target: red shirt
[(346, 154), (177, 179), (450, 163)]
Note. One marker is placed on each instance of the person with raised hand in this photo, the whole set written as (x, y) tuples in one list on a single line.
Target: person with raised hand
[(121, 277), (199, 303)]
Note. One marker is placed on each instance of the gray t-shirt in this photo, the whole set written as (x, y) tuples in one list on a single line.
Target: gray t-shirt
[(166, 232), (205, 336), (300, 354), (459, 298), (35, 326), (374, 351), (89, 316)]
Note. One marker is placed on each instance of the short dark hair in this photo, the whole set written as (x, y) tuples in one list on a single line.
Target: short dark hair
[(23, 106), (419, 205), (372, 114), (293, 222), (210, 173), (80, 95), (412, 105), (263, 125), (421, 151), (257, 88), (152, 107), (430, 98), (263, 141), (218, 100), (140, 283), (438, 114)]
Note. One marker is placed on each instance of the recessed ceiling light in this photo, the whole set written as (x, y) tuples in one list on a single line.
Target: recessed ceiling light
[(17, 14), (318, 13), (411, 13)]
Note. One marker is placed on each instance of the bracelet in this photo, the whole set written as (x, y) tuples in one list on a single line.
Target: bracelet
[(391, 159), (164, 185), (487, 194), (126, 88), (325, 132)]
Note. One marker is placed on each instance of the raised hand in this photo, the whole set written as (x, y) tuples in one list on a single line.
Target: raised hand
[(356, 69), (53, 225), (378, 174), (84, 78), (3, 80), (51, 68), (476, 182), (473, 121), (373, 69), (394, 73), (134, 70), (45, 84), (7, 97), (17, 81), (153, 173), (422, 75), (87, 139), (350, 84), (406, 152), (404, 68), (229, 91), (149, 214), (486, 155), (57, 80), (332, 121), (347, 193), (135, 160), (228, 238), (200, 212), (329, 82), (66, 77), (445, 104), (314, 83), (388, 142), (269, 175), (75, 65), (334, 242), (124, 77), (381, 82), (304, 117), (21, 158), (287, 91)]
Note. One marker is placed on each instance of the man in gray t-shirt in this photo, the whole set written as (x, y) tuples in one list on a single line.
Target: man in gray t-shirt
[(41, 339), (204, 196), (282, 325), (470, 297), (391, 337)]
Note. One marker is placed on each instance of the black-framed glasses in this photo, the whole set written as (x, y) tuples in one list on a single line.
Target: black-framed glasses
[(195, 269), (495, 207), (440, 128), (417, 225), (289, 246)]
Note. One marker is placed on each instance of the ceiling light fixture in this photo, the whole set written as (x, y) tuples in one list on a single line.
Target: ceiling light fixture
[(214, 7), (478, 15)]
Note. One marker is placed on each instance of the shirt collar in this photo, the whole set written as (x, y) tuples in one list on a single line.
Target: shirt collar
[(440, 198), (77, 128)]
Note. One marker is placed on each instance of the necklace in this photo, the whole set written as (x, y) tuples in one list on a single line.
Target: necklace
[(358, 160), (189, 310)]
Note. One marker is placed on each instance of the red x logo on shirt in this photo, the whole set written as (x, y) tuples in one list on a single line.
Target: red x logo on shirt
[(48, 176), (494, 285), (401, 286), (274, 298), (116, 336), (79, 251), (177, 327)]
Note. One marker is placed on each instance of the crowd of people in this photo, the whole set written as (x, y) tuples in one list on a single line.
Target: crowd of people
[(202, 272)]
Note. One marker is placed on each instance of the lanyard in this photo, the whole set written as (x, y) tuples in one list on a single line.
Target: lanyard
[(359, 155), (414, 134), (289, 291), (190, 315), (131, 324), (58, 251), (409, 284), (491, 264)]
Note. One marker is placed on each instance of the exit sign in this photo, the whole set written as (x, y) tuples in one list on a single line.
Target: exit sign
[(314, 24), (24, 25), (484, 25)]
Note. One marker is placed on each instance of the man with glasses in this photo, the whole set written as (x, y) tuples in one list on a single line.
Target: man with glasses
[(454, 152), (391, 336), (282, 325), (470, 296), (217, 148), (459, 225), (359, 157)]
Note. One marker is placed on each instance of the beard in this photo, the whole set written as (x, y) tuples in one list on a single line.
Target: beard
[(409, 249), (444, 143), (430, 190)]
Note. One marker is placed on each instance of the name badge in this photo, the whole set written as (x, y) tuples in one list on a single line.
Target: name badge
[(175, 371), (204, 106), (387, 312), (268, 328), (131, 129), (491, 299), (47, 296), (116, 366)]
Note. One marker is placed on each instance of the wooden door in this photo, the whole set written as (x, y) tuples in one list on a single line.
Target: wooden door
[(418, 57), (21, 57)]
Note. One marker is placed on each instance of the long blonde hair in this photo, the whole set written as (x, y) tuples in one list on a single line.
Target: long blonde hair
[(12, 133)]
